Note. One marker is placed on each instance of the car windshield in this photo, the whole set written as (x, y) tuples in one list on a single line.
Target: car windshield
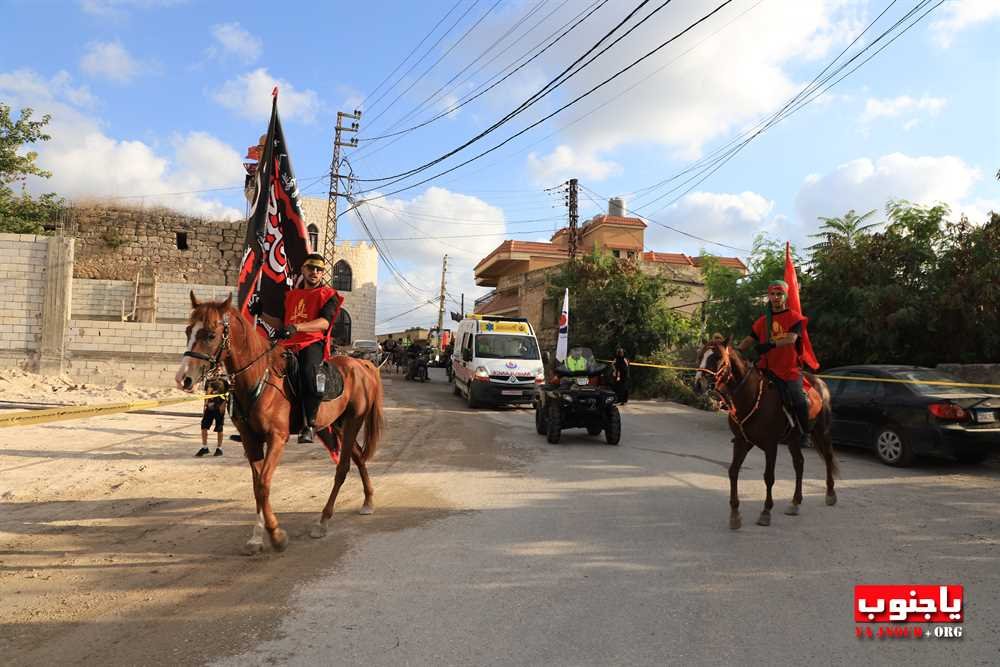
[(506, 346), (365, 344), (921, 378)]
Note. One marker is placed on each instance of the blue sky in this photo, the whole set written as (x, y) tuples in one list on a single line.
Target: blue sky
[(150, 97)]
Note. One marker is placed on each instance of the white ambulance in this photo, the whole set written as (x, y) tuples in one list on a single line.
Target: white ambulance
[(496, 360)]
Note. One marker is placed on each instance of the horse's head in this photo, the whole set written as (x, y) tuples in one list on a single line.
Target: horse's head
[(208, 338), (725, 362)]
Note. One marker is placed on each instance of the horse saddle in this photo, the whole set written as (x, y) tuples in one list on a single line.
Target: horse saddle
[(333, 384), (815, 401)]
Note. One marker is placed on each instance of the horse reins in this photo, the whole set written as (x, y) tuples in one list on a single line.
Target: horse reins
[(721, 383)]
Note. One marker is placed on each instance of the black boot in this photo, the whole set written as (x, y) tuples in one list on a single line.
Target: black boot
[(310, 406)]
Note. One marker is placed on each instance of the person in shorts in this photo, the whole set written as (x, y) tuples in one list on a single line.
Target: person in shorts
[(214, 413)]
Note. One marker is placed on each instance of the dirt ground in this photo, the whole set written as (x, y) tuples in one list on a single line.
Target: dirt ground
[(118, 546)]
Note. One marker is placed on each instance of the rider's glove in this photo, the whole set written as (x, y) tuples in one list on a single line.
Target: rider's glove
[(286, 332), (763, 348), (254, 308)]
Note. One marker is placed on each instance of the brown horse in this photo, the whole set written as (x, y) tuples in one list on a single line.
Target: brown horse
[(220, 339), (756, 417)]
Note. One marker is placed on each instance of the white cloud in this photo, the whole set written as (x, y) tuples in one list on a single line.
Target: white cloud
[(729, 218), (958, 15), (564, 163), (111, 61), (732, 79), (117, 8), (904, 105), (864, 184), (88, 164), (232, 39), (438, 212), (249, 95)]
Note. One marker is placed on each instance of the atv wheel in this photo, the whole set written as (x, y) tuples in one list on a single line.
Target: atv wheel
[(613, 431)]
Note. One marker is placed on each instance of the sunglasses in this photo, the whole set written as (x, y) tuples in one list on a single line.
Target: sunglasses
[(317, 269)]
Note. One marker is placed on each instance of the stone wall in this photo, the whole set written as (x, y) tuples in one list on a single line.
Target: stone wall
[(22, 273), (116, 243), (360, 301)]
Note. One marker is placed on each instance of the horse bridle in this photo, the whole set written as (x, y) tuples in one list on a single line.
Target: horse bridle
[(724, 375), (216, 362)]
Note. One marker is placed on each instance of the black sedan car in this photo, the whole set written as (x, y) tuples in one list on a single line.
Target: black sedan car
[(900, 421)]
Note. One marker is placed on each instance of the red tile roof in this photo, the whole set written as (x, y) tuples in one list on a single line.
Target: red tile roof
[(667, 258), (616, 220)]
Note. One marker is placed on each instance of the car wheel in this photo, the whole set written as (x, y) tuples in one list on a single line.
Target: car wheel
[(594, 429), (969, 455), (469, 400), (553, 424), (455, 390), (613, 431), (540, 426), (891, 448)]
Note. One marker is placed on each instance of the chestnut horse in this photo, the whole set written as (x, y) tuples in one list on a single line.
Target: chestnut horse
[(221, 340), (756, 417)]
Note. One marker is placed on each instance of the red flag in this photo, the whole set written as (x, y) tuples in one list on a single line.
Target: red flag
[(808, 357)]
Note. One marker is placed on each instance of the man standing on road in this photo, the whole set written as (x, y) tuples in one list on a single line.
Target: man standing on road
[(310, 312), (776, 336), (214, 412)]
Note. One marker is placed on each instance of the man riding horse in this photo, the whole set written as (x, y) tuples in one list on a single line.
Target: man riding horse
[(777, 338), (310, 312)]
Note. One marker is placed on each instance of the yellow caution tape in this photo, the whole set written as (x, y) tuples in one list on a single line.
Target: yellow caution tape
[(941, 383), (32, 417)]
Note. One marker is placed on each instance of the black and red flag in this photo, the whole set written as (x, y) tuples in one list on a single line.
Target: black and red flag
[(277, 241)]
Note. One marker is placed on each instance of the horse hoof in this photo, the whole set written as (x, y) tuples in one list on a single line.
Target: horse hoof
[(279, 539), (735, 523), (765, 519), (318, 531), (831, 499), (792, 510), (366, 510), (252, 548)]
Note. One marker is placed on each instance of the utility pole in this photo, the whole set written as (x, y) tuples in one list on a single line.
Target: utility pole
[(330, 240), (463, 306), (444, 269), (573, 218)]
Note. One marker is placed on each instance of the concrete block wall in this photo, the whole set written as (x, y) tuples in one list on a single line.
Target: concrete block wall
[(22, 274), (100, 351), (102, 299)]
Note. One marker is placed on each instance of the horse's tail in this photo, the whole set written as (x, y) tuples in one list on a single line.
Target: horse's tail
[(822, 437), (374, 418)]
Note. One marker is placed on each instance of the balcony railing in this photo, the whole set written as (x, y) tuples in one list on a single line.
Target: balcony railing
[(485, 299)]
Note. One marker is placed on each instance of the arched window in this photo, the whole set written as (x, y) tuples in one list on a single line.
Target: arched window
[(341, 277), (342, 328), (313, 237)]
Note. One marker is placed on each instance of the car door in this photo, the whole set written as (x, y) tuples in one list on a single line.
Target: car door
[(870, 408), (852, 407), (463, 371)]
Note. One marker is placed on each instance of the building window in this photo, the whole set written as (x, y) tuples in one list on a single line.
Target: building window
[(341, 277), (631, 254), (616, 253), (314, 237), (182, 241), (342, 328)]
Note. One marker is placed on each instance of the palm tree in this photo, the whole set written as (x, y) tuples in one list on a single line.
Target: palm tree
[(846, 229)]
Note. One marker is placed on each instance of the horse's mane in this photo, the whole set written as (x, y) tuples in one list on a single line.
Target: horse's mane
[(256, 343)]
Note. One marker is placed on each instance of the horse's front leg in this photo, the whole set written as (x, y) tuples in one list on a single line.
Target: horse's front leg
[(255, 456), (770, 456), (275, 448), (368, 506), (740, 449), (798, 462)]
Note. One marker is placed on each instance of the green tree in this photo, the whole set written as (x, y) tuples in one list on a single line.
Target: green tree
[(614, 303), (845, 229), (20, 212)]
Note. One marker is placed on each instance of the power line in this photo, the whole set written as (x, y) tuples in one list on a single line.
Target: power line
[(396, 317), (560, 109)]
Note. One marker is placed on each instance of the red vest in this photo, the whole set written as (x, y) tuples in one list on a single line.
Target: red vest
[(304, 305), (785, 361)]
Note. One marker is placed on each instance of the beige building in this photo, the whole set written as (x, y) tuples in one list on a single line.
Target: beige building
[(518, 270), (354, 273)]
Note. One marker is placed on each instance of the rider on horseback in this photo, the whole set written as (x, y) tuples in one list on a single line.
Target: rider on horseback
[(310, 312), (776, 336)]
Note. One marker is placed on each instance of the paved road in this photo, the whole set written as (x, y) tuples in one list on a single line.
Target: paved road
[(508, 550)]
